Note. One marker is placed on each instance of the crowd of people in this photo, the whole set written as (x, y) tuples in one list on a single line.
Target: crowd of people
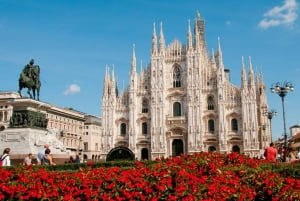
[(43, 157)]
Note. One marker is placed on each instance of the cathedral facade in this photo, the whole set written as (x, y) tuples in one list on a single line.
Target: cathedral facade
[(184, 102)]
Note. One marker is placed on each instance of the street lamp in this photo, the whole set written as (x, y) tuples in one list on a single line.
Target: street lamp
[(270, 114), (282, 90)]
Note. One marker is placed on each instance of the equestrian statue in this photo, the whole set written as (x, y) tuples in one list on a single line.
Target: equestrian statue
[(30, 79)]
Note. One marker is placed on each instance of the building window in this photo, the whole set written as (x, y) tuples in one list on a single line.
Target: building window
[(211, 126), (96, 146), (176, 109), (85, 146), (145, 106), (210, 103), (176, 77), (144, 128), (234, 125), (123, 129)]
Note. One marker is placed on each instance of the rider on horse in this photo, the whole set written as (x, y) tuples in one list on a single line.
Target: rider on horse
[(30, 78)]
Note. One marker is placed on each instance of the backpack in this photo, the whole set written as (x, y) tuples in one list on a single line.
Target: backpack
[(2, 158)]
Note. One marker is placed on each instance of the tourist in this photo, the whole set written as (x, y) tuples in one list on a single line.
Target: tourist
[(47, 159), (77, 159), (27, 160), (71, 159), (271, 153), (5, 157), (41, 154)]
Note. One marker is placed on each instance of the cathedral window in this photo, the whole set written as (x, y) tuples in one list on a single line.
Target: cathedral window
[(144, 128), (211, 126), (123, 129), (145, 106), (176, 109), (176, 77), (234, 125), (210, 103)]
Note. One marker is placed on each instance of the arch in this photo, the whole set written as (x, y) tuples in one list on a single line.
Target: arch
[(144, 128), (123, 129), (145, 154), (145, 106), (210, 103), (177, 147), (211, 126), (120, 153), (236, 148), (234, 124), (176, 109), (176, 76), (212, 149)]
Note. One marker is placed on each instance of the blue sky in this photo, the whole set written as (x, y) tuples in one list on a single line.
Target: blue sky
[(73, 41)]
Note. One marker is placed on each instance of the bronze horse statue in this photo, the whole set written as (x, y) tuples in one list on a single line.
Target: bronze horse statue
[(30, 79)]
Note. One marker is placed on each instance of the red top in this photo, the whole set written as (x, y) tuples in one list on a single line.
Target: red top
[(270, 154)]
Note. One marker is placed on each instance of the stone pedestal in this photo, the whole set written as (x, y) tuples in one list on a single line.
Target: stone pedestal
[(23, 141)]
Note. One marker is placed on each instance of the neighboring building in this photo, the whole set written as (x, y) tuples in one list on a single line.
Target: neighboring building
[(67, 124), (6, 107), (184, 102), (92, 137)]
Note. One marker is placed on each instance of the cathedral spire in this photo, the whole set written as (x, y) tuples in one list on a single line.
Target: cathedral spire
[(244, 78), (189, 36), (213, 59), (220, 57), (250, 73), (133, 60), (161, 38), (154, 40)]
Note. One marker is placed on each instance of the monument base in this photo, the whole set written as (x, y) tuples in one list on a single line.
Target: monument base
[(23, 141)]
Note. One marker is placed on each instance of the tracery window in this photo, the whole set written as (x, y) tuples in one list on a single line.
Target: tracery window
[(210, 103), (211, 126), (234, 125), (176, 109), (176, 77), (144, 128), (145, 106), (123, 129)]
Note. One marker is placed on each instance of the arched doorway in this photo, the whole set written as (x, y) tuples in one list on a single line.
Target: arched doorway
[(145, 154), (177, 147), (120, 153), (212, 149), (236, 148)]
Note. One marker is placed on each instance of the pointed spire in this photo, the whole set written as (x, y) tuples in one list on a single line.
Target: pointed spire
[(220, 57), (133, 60), (250, 73), (244, 78), (154, 39), (213, 59), (161, 38), (189, 36)]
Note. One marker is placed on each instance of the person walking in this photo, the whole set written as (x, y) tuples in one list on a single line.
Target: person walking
[(5, 157), (271, 153)]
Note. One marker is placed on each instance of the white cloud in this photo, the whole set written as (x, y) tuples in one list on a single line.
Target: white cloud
[(228, 23), (72, 89), (280, 15)]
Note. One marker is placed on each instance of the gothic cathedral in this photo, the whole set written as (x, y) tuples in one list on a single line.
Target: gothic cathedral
[(184, 102)]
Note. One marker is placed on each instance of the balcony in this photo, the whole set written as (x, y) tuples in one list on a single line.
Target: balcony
[(177, 120)]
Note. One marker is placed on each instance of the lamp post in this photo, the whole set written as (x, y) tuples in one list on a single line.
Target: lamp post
[(282, 90), (270, 114)]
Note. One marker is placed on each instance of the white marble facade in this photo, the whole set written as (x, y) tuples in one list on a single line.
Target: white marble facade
[(184, 102)]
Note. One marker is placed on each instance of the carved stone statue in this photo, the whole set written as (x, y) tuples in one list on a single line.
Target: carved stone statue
[(30, 79)]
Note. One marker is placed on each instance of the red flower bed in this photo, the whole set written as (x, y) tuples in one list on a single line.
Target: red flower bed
[(201, 176)]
